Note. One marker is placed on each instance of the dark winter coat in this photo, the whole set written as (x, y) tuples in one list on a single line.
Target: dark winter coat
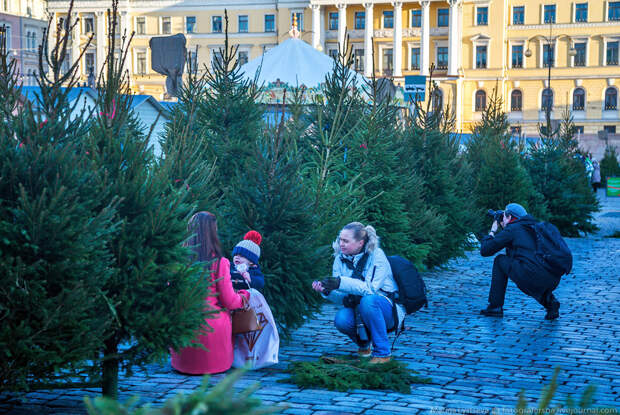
[(257, 277), (519, 240)]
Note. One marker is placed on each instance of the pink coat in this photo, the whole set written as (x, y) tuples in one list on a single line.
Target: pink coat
[(219, 342)]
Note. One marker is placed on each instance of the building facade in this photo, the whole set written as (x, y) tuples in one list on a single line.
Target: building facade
[(534, 53), (25, 22)]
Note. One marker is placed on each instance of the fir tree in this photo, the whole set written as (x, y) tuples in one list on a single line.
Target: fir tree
[(560, 177), (269, 197), (395, 193), (184, 146), (229, 114), (433, 152), (54, 230), (498, 172), (155, 299), (609, 165)]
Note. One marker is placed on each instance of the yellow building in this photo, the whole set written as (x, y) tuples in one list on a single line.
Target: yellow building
[(475, 46)]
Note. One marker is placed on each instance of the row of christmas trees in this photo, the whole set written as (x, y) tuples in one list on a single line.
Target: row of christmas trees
[(93, 274)]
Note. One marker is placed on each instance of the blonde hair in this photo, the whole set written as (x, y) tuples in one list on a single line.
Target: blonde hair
[(360, 232)]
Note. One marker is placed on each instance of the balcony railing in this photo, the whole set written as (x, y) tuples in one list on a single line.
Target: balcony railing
[(611, 107)]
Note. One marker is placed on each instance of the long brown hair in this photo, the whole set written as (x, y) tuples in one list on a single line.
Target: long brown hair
[(204, 240)]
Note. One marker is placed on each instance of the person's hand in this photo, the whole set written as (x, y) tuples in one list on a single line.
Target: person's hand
[(317, 286), (330, 284), (246, 276), (494, 226)]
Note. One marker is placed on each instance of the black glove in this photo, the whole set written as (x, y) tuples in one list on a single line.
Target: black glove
[(330, 284)]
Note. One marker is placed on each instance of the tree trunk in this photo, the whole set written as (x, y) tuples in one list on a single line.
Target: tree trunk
[(109, 379)]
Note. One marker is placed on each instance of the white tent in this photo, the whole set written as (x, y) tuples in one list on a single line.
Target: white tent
[(293, 62)]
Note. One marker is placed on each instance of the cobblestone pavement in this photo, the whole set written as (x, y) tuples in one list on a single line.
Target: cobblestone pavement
[(476, 363)]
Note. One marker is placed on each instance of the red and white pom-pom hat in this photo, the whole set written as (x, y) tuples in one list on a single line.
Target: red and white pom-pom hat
[(250, 247)]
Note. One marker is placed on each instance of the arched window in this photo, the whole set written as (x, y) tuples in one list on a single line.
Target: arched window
[(547, 99), (579, 99), (481, 100), (437, 100), (516, 100), (611, 99)]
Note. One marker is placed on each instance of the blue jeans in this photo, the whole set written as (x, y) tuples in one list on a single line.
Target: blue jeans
[(376, 312)]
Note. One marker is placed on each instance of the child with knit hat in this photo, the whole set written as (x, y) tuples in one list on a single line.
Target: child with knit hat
[(245, 268)]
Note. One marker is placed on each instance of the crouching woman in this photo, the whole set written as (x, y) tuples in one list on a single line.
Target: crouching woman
[(362, 282)]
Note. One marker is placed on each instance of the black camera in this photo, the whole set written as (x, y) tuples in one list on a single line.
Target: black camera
[(497, 215)]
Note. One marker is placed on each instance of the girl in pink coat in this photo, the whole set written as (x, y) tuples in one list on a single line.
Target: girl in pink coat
[(219, 342)]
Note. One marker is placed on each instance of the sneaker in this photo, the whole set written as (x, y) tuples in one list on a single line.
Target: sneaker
[(493, 312), (364, 352), (380, 360), (553, 311)]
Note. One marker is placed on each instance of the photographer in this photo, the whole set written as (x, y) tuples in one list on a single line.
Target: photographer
[(519, 264), (362, 281)]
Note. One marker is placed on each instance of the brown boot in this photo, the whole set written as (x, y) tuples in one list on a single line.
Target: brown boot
[(380, 360), (364, 352)]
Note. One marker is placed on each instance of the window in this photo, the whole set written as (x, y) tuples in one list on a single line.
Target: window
[(482, 16), (270, 23), (548, 58), (443, 17), (141, 25), (216, 24), (549, 13), (166, 25), (481, 56), (89, 62), (300, 20), (517, 56), (518, 15), (387, 61), (581, 12), (243, 23), (437, 102), (216, 57), (516, 100), (579, 129), (515, 130), (547, 100), (141, 63), (579, 99), (580, 56), (609, 129), (243, 57), (190, 24), (388, 19), (34, 42), (358, 55), (613, 12), (8, 37), (333, 53), (193, 61), (415, 58), (442, 57), (360, 20), (333, 21), (481, 100), (611, 99), (416, 18), (612, 53), (89, 25)]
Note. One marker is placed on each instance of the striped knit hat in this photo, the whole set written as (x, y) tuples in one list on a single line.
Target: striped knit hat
[(249, 248)]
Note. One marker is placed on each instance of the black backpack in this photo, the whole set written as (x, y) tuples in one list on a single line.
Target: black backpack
[(551, 250), (411, 288)]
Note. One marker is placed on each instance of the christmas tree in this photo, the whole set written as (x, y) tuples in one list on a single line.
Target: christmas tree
[(497, 165), (54, 230), (155, 298), (433, 152), (268, 196), (560, 176), (609, 165)]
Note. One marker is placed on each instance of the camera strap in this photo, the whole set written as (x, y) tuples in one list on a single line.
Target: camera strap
[(358, 268)]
